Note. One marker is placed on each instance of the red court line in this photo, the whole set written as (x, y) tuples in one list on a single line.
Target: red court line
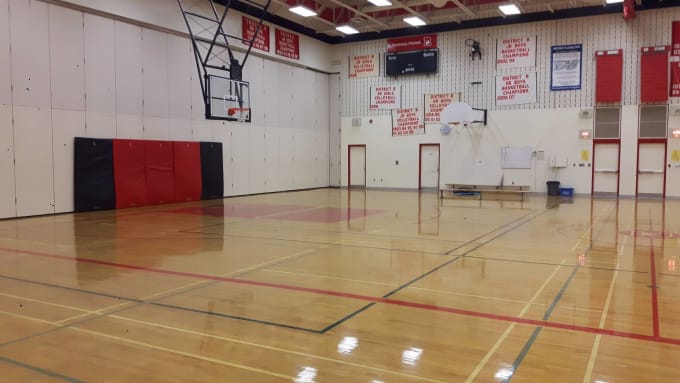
[(506, 318), (652, 271)]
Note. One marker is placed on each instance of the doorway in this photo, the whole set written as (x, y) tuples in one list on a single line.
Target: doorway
[(428, 171), (356, 169)]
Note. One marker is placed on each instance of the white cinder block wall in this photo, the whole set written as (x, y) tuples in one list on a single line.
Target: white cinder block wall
[(550, 125), (72, 73)]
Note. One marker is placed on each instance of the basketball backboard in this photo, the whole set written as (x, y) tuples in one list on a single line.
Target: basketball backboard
[(227, 99)]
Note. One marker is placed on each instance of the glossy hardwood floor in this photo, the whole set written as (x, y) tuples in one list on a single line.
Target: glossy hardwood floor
[(345, 286)]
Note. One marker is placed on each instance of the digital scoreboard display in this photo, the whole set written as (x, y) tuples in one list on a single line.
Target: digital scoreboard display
[(410, 63)]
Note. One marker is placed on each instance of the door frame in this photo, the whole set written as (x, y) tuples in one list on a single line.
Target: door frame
[(606, 141), (663, 141), (349, 164), (420, 163)]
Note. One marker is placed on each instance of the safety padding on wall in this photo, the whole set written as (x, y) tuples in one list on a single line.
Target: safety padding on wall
[(93, 174), (187, 171), (212, 176), (130, 173), (160, 172)]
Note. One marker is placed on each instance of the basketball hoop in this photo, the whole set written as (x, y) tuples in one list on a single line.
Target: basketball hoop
[(240, 114)]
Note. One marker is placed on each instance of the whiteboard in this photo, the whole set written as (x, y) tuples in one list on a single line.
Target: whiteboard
[(516, 157)]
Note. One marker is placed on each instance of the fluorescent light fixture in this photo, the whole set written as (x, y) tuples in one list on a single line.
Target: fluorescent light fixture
[(302, 11), (613, 1), (509, 9), (415, 21), (380, 3), (347, 29)]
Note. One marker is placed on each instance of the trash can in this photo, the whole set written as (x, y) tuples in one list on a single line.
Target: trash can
[(553, 187)]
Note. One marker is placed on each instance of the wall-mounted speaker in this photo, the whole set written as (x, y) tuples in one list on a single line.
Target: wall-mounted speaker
[(586, 113)]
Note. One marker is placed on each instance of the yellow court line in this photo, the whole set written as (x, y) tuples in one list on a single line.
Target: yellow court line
[(271, 348), (586, 231), (473, 375), (186, 354)]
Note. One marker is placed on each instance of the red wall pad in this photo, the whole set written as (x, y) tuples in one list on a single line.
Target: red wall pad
[(608, 77), (187, 171), (129, 173), (654, 74), (160, 172)]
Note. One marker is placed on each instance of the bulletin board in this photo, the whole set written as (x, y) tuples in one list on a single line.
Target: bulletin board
[(516, 157)]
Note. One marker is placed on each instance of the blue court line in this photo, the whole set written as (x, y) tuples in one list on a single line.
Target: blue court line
[(532, 339), (283, 325), (41, 370), (407, 284)]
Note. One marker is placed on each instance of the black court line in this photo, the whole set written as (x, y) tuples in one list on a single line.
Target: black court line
[(41, 371), (548, 313), (89, 292), (411, 282)]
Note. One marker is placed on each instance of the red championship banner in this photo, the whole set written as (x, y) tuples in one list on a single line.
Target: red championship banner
[(675, 48), (248, 28), (412, 43), (287, 44), (435, 103), (385, 97), (675, 79), (364, 66), (406, 122)]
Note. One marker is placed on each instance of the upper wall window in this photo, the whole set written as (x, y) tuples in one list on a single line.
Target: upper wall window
[(653, 121), (607, 122)]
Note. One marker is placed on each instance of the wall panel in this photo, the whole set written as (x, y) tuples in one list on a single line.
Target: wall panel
[(7, 204), (100, 125), (5, 59), (240, 152), (100, 64), (180, 68), (155, 73), (34, 173), (30, 53), (66, 124), (67, 58), (156, 128), (129, 126), (222, 133), (257, 156), (129, 89)]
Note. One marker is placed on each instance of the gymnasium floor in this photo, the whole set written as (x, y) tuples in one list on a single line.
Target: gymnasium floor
[(333, 285)]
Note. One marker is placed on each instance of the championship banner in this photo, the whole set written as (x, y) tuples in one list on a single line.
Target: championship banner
[(435, 103), (287, 44), (565, 63), (675, 47), (412, 43), (516, 89), (385, 97), (364, 66), (675, 79), (406, 122), (248, 28), (516, 53)]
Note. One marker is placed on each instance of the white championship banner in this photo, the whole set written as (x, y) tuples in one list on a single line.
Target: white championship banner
[(517, 52), (435, 103), (406, 122), (385, 97), (364, 66), (515, 89)]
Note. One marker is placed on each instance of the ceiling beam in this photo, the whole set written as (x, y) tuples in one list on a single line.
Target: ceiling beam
[(464, 8), (360, 13)]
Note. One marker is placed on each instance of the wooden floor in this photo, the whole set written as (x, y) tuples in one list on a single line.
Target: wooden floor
[(345, 286)]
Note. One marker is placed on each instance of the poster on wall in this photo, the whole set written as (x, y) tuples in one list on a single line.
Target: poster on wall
[(364, 66), (248, 28), (516, 89), (287, 44), (412, 43), (565, 64), (385, 97), (518, 52), (406, 122), (675, 47), (435, 103), (675, 79)]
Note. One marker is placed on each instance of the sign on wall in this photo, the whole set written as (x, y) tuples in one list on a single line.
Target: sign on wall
[(385, 97), (248, 28), (519, 52), (412, 43), (364, 66), (515, 89), (287, 44), (435, 103), (675, 79), (675, 48), (565, 63), (406, 122)]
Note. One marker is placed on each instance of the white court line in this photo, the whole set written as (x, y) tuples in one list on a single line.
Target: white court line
[(603, 319), (507, 332)]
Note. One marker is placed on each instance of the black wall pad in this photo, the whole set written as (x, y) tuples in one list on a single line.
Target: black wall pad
[(94, 187), (212, 173)]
